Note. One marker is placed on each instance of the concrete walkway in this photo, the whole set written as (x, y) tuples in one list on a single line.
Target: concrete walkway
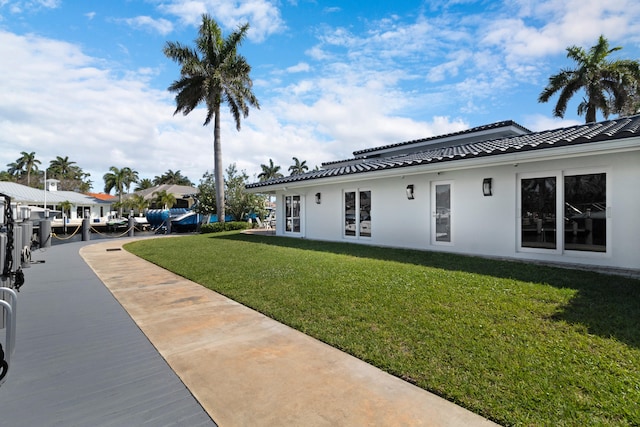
[(248, 370)]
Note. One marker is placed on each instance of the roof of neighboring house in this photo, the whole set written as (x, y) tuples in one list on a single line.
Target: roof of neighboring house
[(24, 194), (103, 196), (180, 191), (625, 127)]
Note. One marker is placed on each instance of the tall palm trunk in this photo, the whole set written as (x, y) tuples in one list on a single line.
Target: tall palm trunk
[(591, 114), (217, 165)]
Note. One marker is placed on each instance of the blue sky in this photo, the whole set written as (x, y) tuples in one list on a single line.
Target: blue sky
[(87, 79)]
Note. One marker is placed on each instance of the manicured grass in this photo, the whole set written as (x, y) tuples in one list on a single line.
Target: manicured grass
[(520, 344)]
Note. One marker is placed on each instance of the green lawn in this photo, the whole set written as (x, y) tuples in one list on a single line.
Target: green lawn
[(520, 344)]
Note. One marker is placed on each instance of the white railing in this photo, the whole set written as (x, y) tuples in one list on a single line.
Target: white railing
[(10, 325)]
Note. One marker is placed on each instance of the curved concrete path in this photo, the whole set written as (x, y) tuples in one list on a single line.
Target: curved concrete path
[(248, 370)]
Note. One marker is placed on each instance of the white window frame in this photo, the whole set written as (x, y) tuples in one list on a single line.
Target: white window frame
[(559, 175), (434, 214), (285, 217), (589, 171), (559, 211), (357, 223)]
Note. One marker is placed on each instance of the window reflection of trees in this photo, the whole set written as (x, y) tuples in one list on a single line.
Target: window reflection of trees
[(538, 228), (585, 224), (584, 215)]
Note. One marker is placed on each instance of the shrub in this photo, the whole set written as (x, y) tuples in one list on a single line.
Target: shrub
[(216, 227)]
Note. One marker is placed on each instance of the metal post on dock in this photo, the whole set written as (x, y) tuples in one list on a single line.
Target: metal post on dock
[(45, 233), (132, 222), (86, 235)]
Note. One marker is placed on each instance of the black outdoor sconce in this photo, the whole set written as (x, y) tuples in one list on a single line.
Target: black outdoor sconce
[(318, 198), (410, 192), (486, 186)]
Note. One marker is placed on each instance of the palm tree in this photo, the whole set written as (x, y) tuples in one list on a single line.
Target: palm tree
[(14, 171), (138, 202), (605, 81), (6, 176), (130, 177), (61, 168), (71, 176), (66, 208), (269, 172), (143, 184), (298, 167), (115, 179), (213, 73), (171, 177), (632, 105), (167, 200), (29, 164)]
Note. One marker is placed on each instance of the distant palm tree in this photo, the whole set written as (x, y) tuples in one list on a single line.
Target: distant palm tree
[(162, 198), (115, 179), (143, 184), (29, 164), (270, 171), (213, 73), (6, 176), (605, 82), (66, 208), (70, 175), (14, 170), (138, 202), (62, 167), (130, 177), (298, 167), (171, 177)]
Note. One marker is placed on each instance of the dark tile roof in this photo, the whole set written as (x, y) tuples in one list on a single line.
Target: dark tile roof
[(625, 127), (497, 125)]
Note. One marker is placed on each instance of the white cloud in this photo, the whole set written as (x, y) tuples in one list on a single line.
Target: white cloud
[(299, 68), (566, 22), (262, 15), (20, 6), (161, 26), (450, 68), (58, 101), (538, 122)]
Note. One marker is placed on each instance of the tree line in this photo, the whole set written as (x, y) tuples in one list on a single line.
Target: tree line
[(272, 171), (26, 170)]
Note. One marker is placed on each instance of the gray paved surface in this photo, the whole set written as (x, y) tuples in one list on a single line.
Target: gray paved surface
[(81, 361)]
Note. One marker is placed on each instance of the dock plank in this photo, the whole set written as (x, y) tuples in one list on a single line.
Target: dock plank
[(80, 360)]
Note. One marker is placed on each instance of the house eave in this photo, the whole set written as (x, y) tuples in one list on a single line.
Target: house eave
[(511, 158)]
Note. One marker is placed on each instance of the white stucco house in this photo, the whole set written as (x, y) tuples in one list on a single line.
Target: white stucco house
[(98, 209), (569, 195)]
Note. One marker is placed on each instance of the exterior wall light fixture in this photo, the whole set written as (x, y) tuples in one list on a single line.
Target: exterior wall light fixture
[(486, 187), (410, 195), (318, 198)]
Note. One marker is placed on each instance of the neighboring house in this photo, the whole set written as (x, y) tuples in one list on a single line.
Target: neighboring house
[(568, 195), (96, 208), (183, 194)]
